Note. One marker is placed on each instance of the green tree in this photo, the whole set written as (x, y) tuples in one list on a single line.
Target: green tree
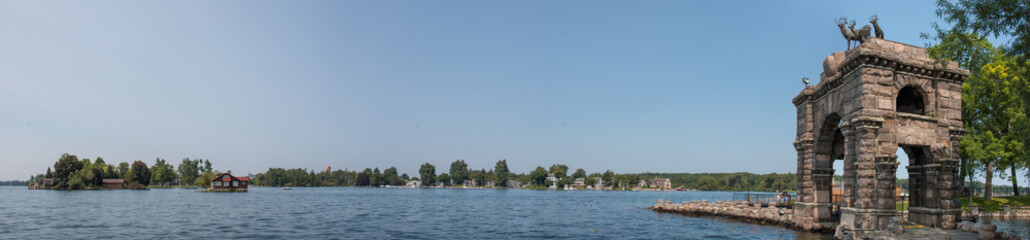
[(362, 179), (64, 168), (477, 177), (140, 173), (123, 168), (189, 170), (207, 166), (205, 178), (580, 173), (502, 172), (48, 174), (459, 171), (162, 172), (997, 141), (376, 178), (608, 176), (428, 174), (391, 178), (987, 17), (559, 170), (444, 178), (538, 176)]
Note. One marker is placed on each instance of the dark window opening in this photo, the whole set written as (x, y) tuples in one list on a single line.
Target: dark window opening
[(910, 101)]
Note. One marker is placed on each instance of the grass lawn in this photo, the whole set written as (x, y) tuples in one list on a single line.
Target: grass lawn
[(902, 205), (996, 203)]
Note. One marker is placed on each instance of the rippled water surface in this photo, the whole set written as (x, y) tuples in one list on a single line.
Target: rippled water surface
[(363, 213)]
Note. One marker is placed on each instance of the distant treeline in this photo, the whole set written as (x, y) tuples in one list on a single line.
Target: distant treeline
[(460, 174), (730, 181), (278, 177), (13, 183)]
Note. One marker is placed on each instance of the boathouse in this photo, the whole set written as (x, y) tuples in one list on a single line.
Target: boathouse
[(226, 182), (112, 184)]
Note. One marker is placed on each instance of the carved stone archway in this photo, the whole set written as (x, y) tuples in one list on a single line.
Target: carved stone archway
[(856, 102)]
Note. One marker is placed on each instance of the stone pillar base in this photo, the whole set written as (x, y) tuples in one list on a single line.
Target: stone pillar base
[(935, 217), (861, 219), (815, 216)]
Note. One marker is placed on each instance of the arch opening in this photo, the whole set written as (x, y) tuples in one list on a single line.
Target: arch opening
[(829, 148), (913, 190), (910, 100)]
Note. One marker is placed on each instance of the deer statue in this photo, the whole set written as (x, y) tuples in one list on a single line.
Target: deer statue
[(879, 32), (848, 34), (852, 34)]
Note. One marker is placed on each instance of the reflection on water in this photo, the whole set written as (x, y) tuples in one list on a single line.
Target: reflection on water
[(364, 213), (1018, 227)]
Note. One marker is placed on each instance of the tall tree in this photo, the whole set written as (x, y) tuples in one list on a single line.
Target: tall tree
[(444, 178), (377, 178), (580, 173), (989, 18), (538, 176), (64, 168), (207, 166), (391, 178), (162, 172), (140, 173), (362, 179), (427, 173), (459, 171), (98, 177), (971, 21), (608, 176), (189, 170), (123, 168), (502, 172), (559, 170)]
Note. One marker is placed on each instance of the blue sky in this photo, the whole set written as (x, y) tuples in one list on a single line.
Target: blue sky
[(640, 86)]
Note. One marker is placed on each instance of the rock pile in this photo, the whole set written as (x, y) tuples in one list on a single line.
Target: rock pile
[(734, 209)]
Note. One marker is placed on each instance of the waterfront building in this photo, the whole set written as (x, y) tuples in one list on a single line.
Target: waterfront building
[(599, 183), (414, 184), (661, 183), (579, 182), (514, 183), (228, 183), (552, 178), (112, 184)]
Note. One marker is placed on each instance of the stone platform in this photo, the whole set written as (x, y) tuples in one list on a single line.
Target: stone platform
[(771, 214)]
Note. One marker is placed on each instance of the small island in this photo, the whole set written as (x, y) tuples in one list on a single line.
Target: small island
[(72, 173)]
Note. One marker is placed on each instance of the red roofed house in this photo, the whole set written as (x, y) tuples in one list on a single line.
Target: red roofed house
[(226, 182)]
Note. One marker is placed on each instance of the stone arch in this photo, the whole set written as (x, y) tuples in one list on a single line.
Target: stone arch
[(879, 96), (911, 99), (829, 142)]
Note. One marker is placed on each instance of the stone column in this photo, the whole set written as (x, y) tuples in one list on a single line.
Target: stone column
[(867, 213), (805, 215), (850, 171), (823, 178), (886, 185)]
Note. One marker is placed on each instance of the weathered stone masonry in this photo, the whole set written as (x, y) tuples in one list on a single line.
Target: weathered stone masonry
[(871, 100)]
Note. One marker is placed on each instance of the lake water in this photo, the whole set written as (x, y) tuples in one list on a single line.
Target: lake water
[(363, 213)]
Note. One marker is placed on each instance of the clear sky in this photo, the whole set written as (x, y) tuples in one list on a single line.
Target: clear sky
[(631, 86)]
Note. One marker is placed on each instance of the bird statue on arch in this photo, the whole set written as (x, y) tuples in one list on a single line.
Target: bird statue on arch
[(847, 28)]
